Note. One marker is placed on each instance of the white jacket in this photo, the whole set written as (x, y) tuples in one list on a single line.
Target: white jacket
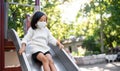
[(38, 39)]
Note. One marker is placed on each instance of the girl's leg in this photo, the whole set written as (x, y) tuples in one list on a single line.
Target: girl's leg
[(41, 57), (51, 62)]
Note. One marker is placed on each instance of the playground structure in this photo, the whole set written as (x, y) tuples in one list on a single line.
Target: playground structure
[(62, 60)]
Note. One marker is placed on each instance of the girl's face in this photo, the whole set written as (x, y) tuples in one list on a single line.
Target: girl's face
[(43, 19), (42, 22)]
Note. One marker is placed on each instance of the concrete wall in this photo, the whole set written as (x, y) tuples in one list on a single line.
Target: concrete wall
[(90, 59), (94, 59), (73, 45)]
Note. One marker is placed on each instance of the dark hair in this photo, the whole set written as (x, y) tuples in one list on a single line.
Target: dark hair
[(35, 19)]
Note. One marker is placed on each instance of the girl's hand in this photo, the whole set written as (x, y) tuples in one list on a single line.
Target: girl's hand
[(61, 46), (22, 49)]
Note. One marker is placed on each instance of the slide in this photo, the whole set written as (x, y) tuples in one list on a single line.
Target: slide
[(61, 59)]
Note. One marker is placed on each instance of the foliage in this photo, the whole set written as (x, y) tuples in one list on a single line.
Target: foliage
[(59, 29), (111, 32), (16, 15), (90, 28), (110, 11), (54, 18), (91, 44)]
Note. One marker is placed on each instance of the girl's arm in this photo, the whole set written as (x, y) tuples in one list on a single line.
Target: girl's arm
[(60, 45), (53, 41), (24, 41), (22, 49), (28, 36)]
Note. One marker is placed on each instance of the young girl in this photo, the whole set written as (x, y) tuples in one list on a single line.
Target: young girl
[(37, 39)]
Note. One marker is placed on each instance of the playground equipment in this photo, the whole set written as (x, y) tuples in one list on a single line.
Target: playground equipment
[(61, 59)]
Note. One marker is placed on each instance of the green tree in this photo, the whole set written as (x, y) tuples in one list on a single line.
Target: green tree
[(110, 10), (16, 14), (58, 28)]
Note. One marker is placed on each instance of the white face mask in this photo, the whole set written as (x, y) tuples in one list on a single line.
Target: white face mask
[(41, 24)]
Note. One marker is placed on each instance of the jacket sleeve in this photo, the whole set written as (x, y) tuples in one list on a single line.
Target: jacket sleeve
[(28, 36), (52, 40)]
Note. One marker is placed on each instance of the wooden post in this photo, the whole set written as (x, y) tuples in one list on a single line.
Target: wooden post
[(37, 5), (2, 35), (37, 2)]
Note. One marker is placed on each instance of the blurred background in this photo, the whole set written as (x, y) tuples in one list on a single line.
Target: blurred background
[(94, 24), (85, 27)]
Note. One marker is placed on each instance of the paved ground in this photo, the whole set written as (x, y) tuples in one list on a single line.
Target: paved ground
[(115, 66)]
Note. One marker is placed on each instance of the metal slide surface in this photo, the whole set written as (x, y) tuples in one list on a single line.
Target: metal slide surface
[(61, 59)]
